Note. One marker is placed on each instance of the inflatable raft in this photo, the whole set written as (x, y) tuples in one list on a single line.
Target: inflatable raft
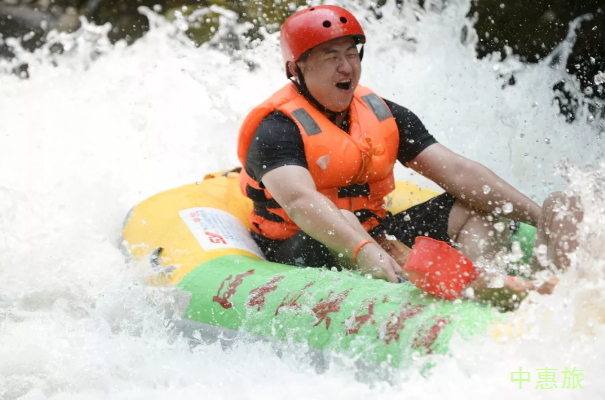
[(196, 238)]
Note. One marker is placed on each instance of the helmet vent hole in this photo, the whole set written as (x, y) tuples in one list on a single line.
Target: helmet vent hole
[(343, 20), (327, 24), (312, 8)]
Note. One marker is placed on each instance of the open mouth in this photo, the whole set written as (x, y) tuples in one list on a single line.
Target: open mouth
[(344, 85)]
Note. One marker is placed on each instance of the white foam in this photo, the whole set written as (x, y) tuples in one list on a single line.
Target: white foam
[(85, 140)]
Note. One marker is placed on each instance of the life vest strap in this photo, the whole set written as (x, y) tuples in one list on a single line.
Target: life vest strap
[(259, 196), (354, 191), (364, 215), (264, 212)]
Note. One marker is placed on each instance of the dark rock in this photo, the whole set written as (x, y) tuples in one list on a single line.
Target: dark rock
[(533, 29)]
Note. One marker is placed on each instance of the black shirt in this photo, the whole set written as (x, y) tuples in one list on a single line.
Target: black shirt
[(277, 141)]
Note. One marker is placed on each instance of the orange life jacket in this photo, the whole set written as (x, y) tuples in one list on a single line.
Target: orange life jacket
[(354, 170)]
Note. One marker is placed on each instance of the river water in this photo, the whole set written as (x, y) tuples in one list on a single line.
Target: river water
[(99, 128)]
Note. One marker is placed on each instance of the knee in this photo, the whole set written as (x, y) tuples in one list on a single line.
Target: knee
[(552, 200), (561, 200), (469, 219), (463, 214), (563, 206)]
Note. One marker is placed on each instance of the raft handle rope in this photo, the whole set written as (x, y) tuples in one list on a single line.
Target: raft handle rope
[(235, 170), (154, 260)]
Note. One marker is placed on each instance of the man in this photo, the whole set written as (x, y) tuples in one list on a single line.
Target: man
[(318, 160)]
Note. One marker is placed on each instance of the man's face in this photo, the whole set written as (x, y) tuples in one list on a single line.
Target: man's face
[(332, 72)]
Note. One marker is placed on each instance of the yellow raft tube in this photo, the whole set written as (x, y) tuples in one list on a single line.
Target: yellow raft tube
[(155, 223)]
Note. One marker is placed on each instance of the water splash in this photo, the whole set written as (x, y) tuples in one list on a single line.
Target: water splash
[(98, 127)]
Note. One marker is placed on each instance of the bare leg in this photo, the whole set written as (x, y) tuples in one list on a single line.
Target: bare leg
[(479, 236), (473, 230), (557, 231)]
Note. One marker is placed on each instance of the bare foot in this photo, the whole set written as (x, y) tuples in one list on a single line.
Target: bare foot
[(546, 288), (513, 290)]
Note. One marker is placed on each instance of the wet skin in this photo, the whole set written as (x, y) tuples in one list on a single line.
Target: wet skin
[(331, 72)]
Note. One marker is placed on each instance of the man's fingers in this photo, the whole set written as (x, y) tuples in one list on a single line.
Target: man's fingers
[(396, 267), (395, 272), (397, 250), (391, 276)]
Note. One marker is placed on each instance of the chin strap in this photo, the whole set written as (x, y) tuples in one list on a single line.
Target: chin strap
[(302, 89)]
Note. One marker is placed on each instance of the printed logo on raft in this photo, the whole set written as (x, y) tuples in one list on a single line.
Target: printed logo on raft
[(546, 378), (217, 229), (215, 237)]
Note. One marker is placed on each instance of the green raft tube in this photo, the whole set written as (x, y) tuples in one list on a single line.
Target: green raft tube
[(196, 238)]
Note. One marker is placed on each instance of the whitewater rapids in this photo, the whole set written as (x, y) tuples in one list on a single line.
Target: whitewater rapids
[(101, 127)]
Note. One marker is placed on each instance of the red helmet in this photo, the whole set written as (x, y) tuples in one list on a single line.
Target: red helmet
[(316, 25)]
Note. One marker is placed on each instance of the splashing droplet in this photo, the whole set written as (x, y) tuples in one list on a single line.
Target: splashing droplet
[(507, 208), (486, 189)]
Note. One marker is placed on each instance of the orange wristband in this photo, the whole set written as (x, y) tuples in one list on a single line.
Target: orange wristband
[(358, 247)]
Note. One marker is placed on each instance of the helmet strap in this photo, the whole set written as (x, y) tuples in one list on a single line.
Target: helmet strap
[(302, 89)]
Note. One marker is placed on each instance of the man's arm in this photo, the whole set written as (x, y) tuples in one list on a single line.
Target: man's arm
[(294, 189), (469, 181), (459, 176)]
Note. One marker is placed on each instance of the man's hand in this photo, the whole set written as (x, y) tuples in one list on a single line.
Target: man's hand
[(399, 251), (373, 260)]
